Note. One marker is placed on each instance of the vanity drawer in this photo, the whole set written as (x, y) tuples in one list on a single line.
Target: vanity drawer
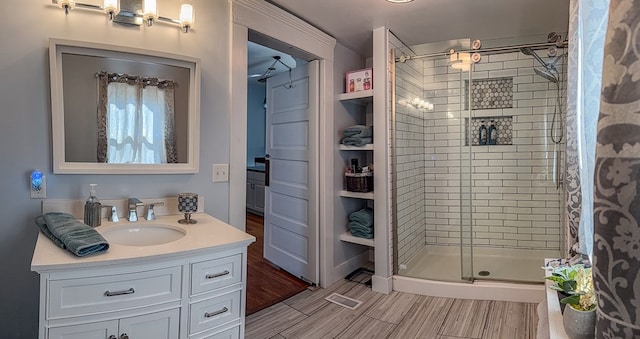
[(84, 296), (231, 333), (209, 313), (213, 274)]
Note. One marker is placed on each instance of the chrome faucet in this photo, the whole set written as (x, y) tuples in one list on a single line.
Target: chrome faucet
[(151, 215), (134, 203)]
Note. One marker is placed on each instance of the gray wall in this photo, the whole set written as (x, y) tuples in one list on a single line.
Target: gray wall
[(25, 137)]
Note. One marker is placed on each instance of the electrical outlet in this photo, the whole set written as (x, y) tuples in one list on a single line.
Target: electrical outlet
[(220, 172), (38, 187)]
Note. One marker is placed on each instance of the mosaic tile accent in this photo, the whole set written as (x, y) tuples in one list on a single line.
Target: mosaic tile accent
[(504, 127), (489, 93)]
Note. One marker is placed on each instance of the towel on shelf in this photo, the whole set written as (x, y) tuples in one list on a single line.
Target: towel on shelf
[(364, 216), (353, 141), (69, 233), (360, 231), (358, 131)]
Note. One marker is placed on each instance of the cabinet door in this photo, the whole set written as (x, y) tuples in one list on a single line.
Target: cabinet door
[(99, 330), (250, 195), (160, 325), (259, 197)]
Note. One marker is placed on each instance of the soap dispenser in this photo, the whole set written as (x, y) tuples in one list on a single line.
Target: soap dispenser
[(482, 135), (493, 133), (92, 208)]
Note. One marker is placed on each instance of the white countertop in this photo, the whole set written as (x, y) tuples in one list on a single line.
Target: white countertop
[(206, 235)]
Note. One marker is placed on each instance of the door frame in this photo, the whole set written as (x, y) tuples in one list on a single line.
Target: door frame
[(274, 23)]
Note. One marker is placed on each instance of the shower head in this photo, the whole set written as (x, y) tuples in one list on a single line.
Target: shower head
[(547, 74), (530, 51)]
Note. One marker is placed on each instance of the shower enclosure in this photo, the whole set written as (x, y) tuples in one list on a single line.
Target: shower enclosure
[(478, 145)]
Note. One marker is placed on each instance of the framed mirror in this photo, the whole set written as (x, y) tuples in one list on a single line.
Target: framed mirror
[(121, 110)]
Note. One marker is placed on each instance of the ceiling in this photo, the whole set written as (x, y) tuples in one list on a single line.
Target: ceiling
[(260, 58), (421, 21)]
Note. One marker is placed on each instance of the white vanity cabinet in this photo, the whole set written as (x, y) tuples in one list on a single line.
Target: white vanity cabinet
[(194, 287)]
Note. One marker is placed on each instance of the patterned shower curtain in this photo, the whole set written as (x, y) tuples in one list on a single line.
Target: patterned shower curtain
[(616, 257), (587, 27)]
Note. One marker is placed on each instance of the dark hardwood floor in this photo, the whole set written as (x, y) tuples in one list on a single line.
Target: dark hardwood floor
[(266, 284)]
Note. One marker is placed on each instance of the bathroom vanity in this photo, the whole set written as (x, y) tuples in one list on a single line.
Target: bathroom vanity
[(191, 286)]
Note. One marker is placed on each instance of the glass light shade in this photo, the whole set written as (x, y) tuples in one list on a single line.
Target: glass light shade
[(111, 7), (150, 11), (186, 15)]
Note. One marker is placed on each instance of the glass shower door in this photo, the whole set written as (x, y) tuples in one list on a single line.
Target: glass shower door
[(466, 173)]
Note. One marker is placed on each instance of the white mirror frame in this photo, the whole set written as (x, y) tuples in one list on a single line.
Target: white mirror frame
[(61, 166)]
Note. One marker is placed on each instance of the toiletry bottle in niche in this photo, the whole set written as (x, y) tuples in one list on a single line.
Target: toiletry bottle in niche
[(493, 133), (482, 135), (367, 81), (352, 86), (92, 208)]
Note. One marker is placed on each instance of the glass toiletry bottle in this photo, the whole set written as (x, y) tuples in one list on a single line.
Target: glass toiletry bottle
[(493, 133), (358, 84), (352, 86), (92, 208), (482, 135), (367, 81)]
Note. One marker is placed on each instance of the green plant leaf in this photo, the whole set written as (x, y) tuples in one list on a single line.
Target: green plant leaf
[(573, 299), (569, 286)]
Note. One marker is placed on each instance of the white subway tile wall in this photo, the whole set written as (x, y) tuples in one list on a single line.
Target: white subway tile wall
[(515, 203)]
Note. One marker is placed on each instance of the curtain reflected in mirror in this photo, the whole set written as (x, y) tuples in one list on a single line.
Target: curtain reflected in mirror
[(135, 120)]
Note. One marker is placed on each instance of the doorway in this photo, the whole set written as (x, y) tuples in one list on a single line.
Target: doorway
[(267, 282)]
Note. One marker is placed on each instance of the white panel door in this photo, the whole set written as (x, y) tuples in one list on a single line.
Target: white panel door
[(159, 325), (97, 330), (290, 216)]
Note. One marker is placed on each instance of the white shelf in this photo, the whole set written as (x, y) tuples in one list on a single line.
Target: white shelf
[(362, 97), (357, 195), (367, 147), (347, 237)]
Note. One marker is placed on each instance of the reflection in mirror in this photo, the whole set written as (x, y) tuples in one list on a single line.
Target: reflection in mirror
[(122, 111)]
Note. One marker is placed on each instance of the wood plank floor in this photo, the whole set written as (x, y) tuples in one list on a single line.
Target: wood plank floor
[(397, 315), (266, 284)]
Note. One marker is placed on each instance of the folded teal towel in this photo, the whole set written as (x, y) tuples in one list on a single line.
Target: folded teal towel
[(69, 233), (360, 231), (359, 131), (364, 217), (353, 141)]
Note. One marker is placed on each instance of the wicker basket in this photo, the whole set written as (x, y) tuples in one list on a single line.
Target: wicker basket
[(359, 182)]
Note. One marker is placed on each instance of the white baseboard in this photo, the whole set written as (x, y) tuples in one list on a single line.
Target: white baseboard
[(479, 290)]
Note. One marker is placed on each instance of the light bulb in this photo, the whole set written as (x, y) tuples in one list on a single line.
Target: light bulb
[(186, 17), (150, 11)]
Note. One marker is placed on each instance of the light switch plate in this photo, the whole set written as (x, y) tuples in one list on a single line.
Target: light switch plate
[(220, 172)]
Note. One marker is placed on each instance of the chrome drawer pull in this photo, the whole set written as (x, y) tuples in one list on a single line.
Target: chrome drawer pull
[(111, 294), (112, 337), (213, 314), (217, 275)]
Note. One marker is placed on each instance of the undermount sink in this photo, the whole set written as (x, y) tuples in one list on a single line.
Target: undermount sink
[(143, 234)]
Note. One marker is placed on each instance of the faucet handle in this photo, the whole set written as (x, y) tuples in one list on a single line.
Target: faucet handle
[(113, 217), (151, 215)]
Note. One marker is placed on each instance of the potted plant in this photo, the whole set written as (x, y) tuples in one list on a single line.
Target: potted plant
[(564, 281), (579, 319)]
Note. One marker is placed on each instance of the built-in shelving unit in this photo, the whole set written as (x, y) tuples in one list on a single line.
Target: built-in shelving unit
[(367, 147), (356, 240), (362, 98), (356, 195)]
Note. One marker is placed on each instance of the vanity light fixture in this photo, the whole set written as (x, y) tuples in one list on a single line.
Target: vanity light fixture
[(147, 11), (399, 1), (67, 5), (111, 8)]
